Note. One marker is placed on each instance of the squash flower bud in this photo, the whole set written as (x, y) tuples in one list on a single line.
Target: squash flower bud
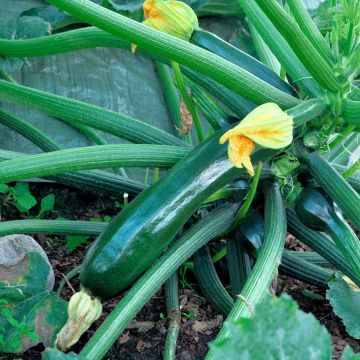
[(267, 126), (172, 17), (83, 310)]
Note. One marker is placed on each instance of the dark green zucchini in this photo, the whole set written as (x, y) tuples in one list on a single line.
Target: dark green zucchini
[(216, 45), (316, 211), (138, 235), (320, 243), (338, 189), (251, 235), (250, 232)]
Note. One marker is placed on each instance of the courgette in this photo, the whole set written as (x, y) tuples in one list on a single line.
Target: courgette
[(315, 211), (320, 243), (138, 235), (250, 235), (331, 182)]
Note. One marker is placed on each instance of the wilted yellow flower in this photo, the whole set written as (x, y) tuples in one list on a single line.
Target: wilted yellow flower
[(172, 17), (267, 126)]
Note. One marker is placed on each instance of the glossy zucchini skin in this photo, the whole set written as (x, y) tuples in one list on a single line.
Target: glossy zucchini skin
[(314, 209), (216, 45), (251, 232), (138, 235)]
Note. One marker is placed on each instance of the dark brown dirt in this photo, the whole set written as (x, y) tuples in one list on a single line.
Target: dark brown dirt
[(144, 340)]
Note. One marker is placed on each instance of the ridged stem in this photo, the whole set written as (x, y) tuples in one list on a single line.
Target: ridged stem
[(61, 227), (318, 67), (263, 51), (210, 283), (310, 29), (188, 100), (281, 49), (347, 241), (97, 181), (305, 271), (333, 183), (78, 112), (267, 262), (341, 137), (174, 315), (213, 113), (239, 266), (174, 49), (321, 244), (30, 132), (352, 169), (172, 97), (93, 157), (352, 111), (140, 293)]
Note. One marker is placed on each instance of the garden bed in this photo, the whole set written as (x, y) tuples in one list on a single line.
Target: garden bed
[(145, 337)]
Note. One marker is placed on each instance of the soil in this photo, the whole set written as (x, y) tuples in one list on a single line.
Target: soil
[(145, 337)]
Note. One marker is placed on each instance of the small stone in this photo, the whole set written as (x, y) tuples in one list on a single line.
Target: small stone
[(13, 249)]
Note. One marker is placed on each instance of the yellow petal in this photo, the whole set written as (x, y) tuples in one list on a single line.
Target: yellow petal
[(239, 151), (172, 17), (267, 126)]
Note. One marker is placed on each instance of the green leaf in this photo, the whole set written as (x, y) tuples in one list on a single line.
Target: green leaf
[(278, 330), (52, 354), (29, 314), (35, 322), (74, 241), (130, 8), (345, 301), (24, 202), (4, 188), (26, 27), (30, 275), (348, 354), (47, 204), (52, 15), (216, 7)]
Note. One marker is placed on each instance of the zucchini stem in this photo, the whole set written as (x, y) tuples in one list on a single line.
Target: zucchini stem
[(188, 100), (174, 314), (267, 262)]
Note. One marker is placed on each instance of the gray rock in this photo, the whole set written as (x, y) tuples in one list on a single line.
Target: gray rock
[(13, 249)]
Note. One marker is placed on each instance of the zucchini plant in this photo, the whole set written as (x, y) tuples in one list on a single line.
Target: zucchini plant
[(277, 130)]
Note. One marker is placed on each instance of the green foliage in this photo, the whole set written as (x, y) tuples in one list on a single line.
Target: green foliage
[(20, 196), (52, 15), (25, 27), (349, 354), (74, 241), (47, 204), (346, 304), (53, 354), (29, 313), (278, 330)]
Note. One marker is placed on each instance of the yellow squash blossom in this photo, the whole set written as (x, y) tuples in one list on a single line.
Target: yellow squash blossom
[(267, 126), (172, 17)]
